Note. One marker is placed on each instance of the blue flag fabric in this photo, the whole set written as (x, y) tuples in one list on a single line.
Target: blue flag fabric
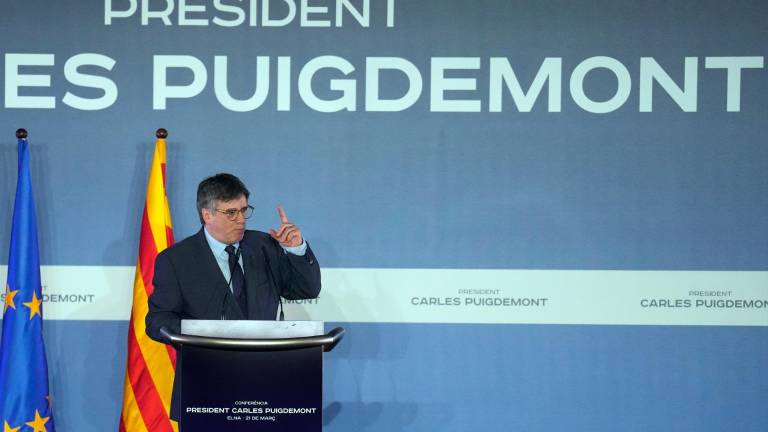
[(25, 403)]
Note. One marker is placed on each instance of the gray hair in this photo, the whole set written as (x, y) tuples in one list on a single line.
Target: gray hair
[(220, 187)]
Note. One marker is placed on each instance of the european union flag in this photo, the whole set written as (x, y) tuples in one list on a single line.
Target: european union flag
[(24, 399)]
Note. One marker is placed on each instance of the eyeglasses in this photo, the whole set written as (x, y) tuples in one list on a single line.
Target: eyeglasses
[(232, 213)]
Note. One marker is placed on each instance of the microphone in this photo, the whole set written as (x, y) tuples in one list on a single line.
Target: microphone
[(273, 282), (229, 284)]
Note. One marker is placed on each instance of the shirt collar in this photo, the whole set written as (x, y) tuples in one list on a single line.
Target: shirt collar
[(216, 246)]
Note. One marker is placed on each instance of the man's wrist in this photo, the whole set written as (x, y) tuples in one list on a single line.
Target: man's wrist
[(299, 250)]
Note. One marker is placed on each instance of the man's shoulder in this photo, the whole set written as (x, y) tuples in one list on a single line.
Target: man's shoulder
[(185, 246), (258, 238)]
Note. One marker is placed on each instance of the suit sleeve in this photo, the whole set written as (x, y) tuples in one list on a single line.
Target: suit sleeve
[(299, 275), (165, 303)]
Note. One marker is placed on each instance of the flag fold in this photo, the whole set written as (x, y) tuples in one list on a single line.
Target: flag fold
[(150, 365), (25, 401)]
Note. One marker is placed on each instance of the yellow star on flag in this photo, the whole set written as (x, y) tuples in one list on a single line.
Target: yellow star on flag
[(8, 428), (9, 295), (34, 306), (38, 424)]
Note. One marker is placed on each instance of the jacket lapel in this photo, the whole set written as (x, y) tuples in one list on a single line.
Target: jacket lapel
[(255, 277), (220, 294)]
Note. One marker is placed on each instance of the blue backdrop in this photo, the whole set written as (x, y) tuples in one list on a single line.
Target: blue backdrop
[(544, 188)]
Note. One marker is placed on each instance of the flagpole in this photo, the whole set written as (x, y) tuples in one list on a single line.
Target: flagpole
[(150, 365), (25, 398)]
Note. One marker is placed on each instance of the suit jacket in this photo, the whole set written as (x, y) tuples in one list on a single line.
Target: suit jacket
[(188, 284)]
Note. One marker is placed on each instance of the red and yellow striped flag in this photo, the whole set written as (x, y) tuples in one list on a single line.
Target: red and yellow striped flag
[(150, 365)]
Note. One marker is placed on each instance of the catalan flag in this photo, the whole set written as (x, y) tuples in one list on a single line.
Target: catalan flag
[(24, 398), (150, 365)]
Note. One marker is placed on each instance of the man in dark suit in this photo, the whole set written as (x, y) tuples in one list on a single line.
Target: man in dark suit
[(225, 271)]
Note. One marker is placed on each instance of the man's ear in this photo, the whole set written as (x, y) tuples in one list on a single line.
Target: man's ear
[(206, 215)]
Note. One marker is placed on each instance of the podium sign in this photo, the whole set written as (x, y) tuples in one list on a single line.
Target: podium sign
[(232, 391), (251, 375)]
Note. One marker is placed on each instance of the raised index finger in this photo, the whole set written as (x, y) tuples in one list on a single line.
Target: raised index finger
[(283, 217)]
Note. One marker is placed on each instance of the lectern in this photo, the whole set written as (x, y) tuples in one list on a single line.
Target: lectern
[(251, 375)]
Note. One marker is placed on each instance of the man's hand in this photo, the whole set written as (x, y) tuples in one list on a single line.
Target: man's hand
[(287, 234)]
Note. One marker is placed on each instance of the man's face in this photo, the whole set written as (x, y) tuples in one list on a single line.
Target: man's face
[(218, 224)]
